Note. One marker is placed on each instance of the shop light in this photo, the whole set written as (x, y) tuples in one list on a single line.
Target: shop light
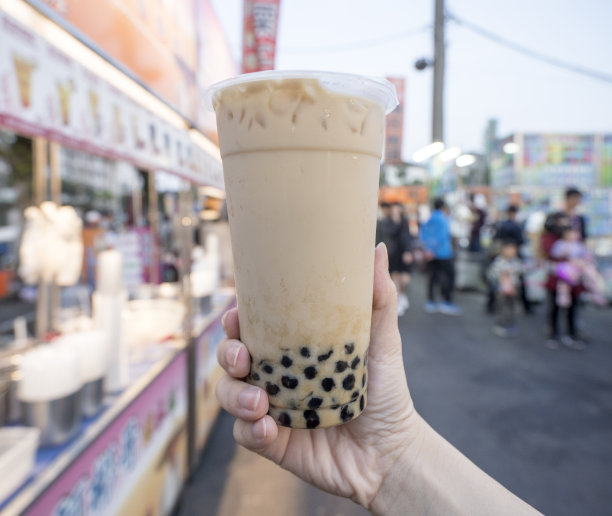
[(511, 148), (465, 160), (450, 154), (427, 152), (209, 214), (72, 47), (211, 191)]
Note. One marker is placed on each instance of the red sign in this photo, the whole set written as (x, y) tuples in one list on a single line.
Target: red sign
[(260, 26), (395, 124)]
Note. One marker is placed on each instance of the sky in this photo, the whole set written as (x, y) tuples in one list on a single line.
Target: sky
[(483, 79)]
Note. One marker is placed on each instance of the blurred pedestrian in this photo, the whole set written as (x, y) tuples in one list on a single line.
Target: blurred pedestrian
[(576, 266), (555, 226), (394, 231), (504, 276), (479, 217), (438, 249), (400, 262), (509, 230)]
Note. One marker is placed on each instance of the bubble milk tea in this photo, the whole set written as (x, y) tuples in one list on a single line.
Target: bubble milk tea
[(301, 158)]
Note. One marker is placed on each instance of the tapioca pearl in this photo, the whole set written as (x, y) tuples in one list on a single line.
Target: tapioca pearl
[(284, 419), (328, 384), (305, 352), (315, 403), (363, 380), (310, 372), (267, 368), (349, 348), (341, 366), (272, 389), (255, 376), (312, 418), (325, 356), (286, 361), (355, 395), (355, 363), (361, 403), (335, 406), (349, 382), (289, 381), (346, 414)]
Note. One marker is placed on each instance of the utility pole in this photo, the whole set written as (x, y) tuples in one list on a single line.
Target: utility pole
[(437, 129)]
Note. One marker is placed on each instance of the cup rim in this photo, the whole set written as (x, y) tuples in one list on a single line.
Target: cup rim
[(376, 89)]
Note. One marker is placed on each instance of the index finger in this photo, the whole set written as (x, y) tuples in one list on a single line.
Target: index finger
[(230, 324)]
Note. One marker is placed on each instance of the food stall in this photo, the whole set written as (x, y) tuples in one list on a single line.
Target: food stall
[(533, 171), (110, 270)]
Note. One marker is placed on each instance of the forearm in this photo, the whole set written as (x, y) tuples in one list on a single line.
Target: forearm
[(433, 477)]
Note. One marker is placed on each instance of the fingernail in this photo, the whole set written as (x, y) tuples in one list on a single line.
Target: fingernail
[(231, 355), (249, 398), (382, 248), (260, 431)]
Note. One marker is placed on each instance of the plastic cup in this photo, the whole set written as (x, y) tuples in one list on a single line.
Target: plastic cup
[(301, 158)]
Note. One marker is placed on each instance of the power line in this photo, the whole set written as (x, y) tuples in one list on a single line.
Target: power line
[(356, 45), (594, 74)]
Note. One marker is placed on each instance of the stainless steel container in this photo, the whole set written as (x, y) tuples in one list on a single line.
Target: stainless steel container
[(10, 406), (58, 420), (93, 397), (4, 397), (14, 411)]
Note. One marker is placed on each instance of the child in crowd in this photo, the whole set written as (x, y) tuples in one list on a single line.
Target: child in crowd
[(575, 266), (504, 274)]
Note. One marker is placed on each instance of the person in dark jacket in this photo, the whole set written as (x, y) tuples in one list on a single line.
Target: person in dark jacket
[(556, 223), (479, 218), (394, 231)]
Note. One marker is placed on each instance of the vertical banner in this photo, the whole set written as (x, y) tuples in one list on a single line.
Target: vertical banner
[(395, 124), (260, 27)]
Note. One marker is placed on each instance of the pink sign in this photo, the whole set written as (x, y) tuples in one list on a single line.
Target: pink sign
[(106, 475)]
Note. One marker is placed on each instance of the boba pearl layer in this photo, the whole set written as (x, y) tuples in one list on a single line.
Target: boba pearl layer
[(310, 389)]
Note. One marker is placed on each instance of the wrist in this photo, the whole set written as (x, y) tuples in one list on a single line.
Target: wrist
[(398, 491)]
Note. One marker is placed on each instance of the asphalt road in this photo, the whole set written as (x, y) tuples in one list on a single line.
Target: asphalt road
[(539, 421)]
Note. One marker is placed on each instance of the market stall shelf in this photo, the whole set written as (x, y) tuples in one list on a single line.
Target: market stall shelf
[(136, 445)]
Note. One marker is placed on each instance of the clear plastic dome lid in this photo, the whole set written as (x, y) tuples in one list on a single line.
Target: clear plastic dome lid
[(375, 89)]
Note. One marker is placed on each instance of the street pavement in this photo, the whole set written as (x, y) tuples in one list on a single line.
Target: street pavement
[(537, 420)]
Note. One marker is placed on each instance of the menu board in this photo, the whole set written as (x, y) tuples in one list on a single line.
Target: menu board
[(605, 177), (22, 95), (558, 160), (597, 207), (44, 92)]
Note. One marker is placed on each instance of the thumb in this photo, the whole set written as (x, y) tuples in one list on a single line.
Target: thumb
[(385, 337)]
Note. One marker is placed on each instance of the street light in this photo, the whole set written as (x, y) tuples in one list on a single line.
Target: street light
[(511, 148), (427, 152), (450, 154), (465, 160)]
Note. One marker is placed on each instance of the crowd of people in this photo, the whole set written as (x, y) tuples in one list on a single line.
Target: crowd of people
[(561, 250)]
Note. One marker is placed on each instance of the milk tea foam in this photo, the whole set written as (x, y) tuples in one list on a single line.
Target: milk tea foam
[(301, 166)]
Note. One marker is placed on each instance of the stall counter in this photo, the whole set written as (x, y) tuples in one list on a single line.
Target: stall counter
[(131, 459)]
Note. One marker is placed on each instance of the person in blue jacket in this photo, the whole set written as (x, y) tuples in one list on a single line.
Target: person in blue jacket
[(438, 248)]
